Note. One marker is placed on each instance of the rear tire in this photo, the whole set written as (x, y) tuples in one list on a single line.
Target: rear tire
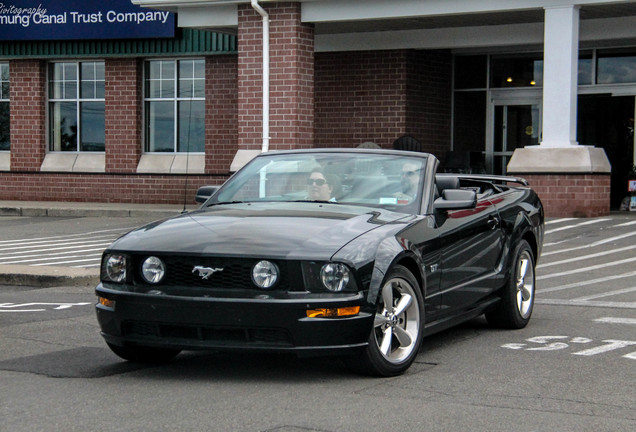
[(517, 298), (398, 327), (142, 354)]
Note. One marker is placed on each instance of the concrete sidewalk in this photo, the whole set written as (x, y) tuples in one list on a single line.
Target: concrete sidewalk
[(48, 276)]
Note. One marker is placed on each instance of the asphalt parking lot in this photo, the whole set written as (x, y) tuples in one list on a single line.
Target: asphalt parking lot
[(572, 368)]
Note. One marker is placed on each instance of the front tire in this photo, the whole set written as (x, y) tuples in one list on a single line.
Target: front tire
[(142, 354), (517, 299), (398, 326)]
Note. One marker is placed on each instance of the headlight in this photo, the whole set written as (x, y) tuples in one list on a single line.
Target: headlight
[(264, 274), (114, 268), (334, 276), (153, 270)]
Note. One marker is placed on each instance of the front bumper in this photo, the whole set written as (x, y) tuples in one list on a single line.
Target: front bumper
[(263, 323)]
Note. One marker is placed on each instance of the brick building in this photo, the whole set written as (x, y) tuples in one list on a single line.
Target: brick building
[(540, 88)]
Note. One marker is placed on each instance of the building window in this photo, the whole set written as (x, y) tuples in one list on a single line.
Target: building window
[(516, 71), (76, 107), (616, 67), (174, 96), (5, 122)]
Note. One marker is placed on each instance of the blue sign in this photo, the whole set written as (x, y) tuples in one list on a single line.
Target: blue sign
[(81, 19)]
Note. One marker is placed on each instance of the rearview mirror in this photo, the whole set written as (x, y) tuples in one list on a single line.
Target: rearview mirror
[(456, 199)]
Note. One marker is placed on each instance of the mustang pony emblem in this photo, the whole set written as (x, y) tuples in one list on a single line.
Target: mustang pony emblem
[(205, 272)]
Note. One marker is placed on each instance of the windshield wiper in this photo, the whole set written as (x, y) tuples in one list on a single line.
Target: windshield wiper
[(315, 201), (225, 202)]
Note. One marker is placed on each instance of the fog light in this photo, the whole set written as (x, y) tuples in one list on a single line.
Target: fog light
[(333, 312), (107, 302)]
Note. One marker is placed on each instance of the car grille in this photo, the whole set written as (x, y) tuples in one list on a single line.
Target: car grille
[(236, 273), (217, 335)]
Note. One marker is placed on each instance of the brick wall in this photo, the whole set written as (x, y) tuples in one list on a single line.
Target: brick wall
[(28, 116), (572, 195), (123, 114), (131, 188), (381, 95), (291, 78), (428, 92), (221, 112)]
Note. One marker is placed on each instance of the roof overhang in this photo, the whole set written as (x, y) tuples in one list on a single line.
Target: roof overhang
[(345, 25)]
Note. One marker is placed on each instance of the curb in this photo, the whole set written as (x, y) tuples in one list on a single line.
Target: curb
[(85, 212), (47, 276)]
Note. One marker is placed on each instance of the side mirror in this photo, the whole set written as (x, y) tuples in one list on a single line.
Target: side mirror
[(205, 192), (456, 199)]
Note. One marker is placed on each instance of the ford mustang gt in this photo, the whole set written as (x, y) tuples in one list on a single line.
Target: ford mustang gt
[(349, 251)]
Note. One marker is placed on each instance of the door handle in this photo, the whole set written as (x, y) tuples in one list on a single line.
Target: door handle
[(493, 222)]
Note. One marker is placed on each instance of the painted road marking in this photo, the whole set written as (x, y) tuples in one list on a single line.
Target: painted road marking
[(611, 320), (598, 304), (558, 343), (586, 269), (12, 307), (588, 282), (584, 257), (589, 222), (591, 245), (607, 294)]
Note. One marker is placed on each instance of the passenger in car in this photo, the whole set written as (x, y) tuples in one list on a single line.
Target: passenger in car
[(409, 180)]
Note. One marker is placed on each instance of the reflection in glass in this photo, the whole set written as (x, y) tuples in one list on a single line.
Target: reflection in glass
[(5, 131), (160, 126), (616, 69), (191, 126), (63, 126), (93, 126), (513, 71)]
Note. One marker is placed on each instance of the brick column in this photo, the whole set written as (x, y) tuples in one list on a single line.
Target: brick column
[(28, 114), (221, 129), (572, 195), (291, 78), (123, 114)]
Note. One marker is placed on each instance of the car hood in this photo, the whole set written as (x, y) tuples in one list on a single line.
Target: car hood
[(276, 230)]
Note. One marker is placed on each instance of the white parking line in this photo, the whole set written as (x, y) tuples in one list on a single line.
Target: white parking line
[(589, 222), (588, 282), (584, 257), (598, 304), (586, 269), (553, 221), (607, 294), (121, 230), (591, 245), (611, 320), (627, 224)]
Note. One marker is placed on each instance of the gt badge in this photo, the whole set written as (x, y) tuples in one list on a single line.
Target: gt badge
[(205, 272)]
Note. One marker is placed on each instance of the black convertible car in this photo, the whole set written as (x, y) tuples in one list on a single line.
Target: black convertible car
[(350, 251)]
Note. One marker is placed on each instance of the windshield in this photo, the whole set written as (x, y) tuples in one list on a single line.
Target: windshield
[(369, 179)]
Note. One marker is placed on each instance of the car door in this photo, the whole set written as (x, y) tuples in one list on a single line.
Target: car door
[(471, 243)]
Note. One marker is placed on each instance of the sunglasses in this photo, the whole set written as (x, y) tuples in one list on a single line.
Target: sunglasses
[(318, 182), (408, 173)]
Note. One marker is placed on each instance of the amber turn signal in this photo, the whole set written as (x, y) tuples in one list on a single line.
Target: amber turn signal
[(107, 303), (333, 312)]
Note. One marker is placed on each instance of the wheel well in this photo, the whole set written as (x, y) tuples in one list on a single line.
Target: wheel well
[(533, 244), (412, 266)]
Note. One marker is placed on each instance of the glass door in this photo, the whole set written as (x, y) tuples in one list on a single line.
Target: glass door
[(515, 123)]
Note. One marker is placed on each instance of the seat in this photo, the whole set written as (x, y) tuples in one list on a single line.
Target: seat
[(407, 142)]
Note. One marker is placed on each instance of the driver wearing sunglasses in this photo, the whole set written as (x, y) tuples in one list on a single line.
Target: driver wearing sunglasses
[(318, 187)]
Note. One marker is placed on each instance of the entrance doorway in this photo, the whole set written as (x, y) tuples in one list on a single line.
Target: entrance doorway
[(608, 122), (515, 123)]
